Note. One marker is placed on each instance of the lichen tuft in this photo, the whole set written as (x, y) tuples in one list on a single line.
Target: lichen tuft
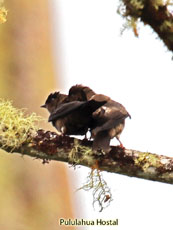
[(16, 127), (81, 153), (146, 160)]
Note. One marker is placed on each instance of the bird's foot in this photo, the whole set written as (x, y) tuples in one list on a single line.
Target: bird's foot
[(60, 133), (122, 146), (85, 138)]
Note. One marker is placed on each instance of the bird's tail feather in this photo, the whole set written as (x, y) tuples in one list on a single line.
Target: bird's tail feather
[(102, 141)]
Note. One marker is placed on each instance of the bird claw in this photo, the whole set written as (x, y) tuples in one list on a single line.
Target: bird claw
[(122, 146)]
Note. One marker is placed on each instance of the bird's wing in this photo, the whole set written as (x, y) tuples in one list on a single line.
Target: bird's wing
[(84, 107), (111, 110), (90, 106), (116, 110), (65, 109), (109, 116), (109, 124)]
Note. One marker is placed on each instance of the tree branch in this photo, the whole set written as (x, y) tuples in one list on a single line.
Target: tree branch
[(154, 13), (48, 145)]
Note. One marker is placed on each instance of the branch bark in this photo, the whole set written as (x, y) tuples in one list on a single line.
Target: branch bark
[(48, 145), (156, 15)]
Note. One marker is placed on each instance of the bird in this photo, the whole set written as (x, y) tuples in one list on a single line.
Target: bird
[(72, 114), (80, 93), (53, 101), (108, 122), (82, 110)]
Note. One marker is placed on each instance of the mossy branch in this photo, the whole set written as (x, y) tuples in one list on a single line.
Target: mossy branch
[(19, 134), (48, 146), (155, 13)]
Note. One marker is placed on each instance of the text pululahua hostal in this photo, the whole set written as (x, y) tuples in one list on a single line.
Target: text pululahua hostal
[(84, 222)]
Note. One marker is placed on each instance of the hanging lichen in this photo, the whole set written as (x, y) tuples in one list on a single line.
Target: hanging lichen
[(131, 22), (101, 192), (133, 10)]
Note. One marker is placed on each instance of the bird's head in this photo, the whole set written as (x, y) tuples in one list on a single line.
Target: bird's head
[(80, 93), (53, 100)]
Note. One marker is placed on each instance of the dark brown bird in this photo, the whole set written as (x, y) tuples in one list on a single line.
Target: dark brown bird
[(80, 93), (72, 114), (83, 109), (53, 101), (108, 122)]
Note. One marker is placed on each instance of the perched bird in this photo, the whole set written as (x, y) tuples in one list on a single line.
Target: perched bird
[(82, 110), (72, 114), (108, 122), (80, 93), (53, 101)]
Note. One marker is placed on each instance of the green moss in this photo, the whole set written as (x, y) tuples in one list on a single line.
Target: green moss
[(158, 3), (81, 153), (131, 13), (166, 25), (16, 128), (146, 160), (137, 4)]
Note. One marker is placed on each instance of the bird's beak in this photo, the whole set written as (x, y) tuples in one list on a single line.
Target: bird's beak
[(43, 106)]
